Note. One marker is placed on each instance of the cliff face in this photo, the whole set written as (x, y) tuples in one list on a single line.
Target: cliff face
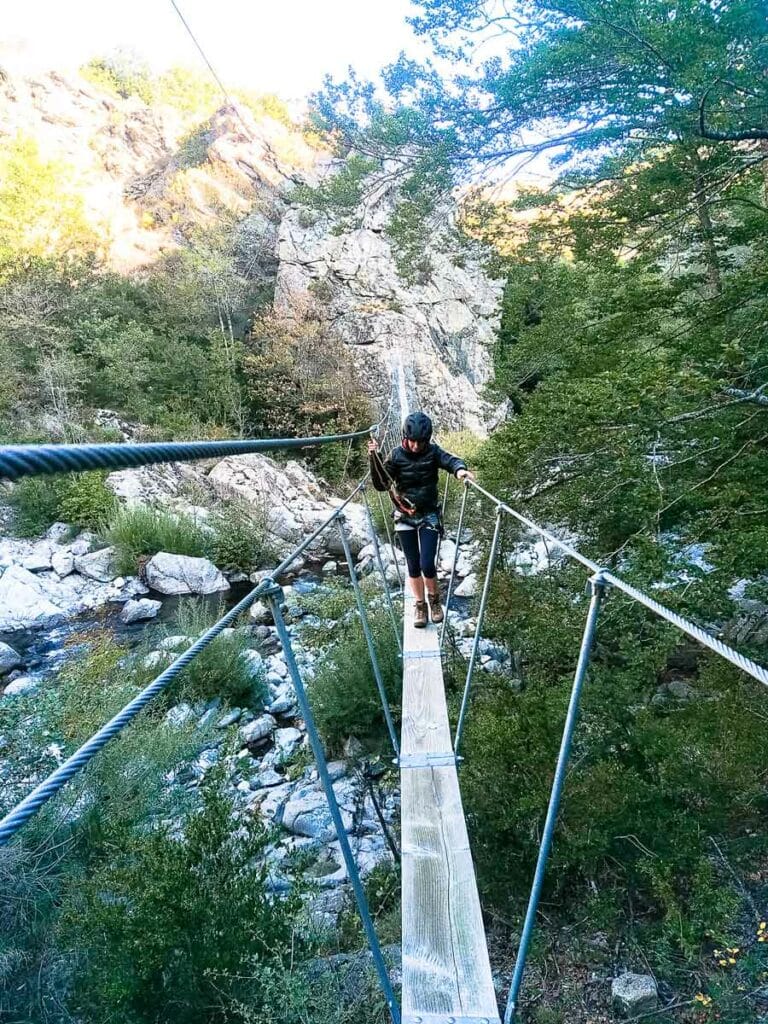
[(147, 176), (433, 338), (150, 180)]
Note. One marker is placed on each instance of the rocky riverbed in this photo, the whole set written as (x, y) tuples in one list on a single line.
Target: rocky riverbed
[(55, 589)]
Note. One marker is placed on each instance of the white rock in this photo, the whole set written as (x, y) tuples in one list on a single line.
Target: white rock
[(634, 994), (255, 662), (39, 557), (58, 532), (296, 503), (261, 613), (259, 729), (329, 568), (63, 562), (157, 660), (183, 574), (468, 587), (287, 740), (83, 543), (24, 684), (9, 659), (180, 715), (136, 611), (306, 813), (175, 642), (98, 565), (24, 601)]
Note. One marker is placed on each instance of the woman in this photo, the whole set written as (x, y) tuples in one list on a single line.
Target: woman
[(410, 475)]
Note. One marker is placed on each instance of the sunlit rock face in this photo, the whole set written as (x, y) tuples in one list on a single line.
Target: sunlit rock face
[(432, 338)]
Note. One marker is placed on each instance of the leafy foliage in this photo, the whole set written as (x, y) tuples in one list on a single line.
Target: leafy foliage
[(82, 499)]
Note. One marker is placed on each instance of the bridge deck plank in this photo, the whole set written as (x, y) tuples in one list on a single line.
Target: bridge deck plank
[(445, 959)]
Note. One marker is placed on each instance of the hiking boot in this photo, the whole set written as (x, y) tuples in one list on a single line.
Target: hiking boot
[(420, 614), (435, 608)]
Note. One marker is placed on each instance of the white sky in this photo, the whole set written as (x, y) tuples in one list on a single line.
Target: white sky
[(282, 46)]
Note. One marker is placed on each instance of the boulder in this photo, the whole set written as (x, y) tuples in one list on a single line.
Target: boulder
[(306, 813), (136, 611), (258, 729), (183, 574), (38, 559), (180, 715), (287, 740), (58, 533), (634, 994), (24, 601), (468, 587), (63, 562), (9, 659), (21, 685), (98, 565), (261, 613), (293, 500)]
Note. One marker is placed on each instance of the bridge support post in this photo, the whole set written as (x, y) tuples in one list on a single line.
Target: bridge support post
[(380, 564), (275, 594), (478, 628), (368, 637), (454, 563), (597, 584)]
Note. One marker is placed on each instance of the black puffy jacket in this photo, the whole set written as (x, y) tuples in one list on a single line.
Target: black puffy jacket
[(415, 474)]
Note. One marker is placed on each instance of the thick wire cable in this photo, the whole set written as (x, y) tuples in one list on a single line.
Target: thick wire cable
[(742, 662), (21, 460)]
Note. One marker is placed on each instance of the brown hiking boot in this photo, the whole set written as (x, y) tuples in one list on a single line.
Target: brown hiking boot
[(420, 614), (435, 608)]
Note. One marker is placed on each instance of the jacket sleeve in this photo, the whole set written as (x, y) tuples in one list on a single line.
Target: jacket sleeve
[(450, 463), (381, 475)]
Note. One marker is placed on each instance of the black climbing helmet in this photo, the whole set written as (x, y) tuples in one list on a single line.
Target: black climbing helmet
[(417, 427)]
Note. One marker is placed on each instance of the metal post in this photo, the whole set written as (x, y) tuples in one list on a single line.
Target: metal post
[(275, 594), (453, 567), (368, 636), (385, 584), (391, 538), (442, 516), (478, 628), (598, 589)]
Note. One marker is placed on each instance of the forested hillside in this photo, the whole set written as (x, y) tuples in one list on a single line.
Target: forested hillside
[(633, 348)]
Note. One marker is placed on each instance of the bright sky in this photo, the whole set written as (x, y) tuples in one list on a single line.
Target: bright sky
[(282, 46)]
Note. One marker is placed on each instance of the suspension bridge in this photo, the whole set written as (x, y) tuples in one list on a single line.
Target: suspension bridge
[(446, 976)]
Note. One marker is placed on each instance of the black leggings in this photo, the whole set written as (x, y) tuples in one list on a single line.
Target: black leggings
[(420, 547)]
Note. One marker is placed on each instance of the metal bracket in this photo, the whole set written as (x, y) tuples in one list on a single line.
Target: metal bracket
[(273, 589), (417, 655), (434, 759), (444, 1018)]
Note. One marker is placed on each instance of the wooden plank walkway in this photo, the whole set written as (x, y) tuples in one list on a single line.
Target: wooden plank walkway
[(446, 973)]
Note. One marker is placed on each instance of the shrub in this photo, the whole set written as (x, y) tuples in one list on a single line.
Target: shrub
[(176, 924), (240, 538), (221, 670), (35, 501), (141, 531), (345, 699), (87, 502)]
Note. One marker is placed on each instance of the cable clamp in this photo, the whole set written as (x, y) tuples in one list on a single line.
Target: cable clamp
[(273, 590), (433, 759), (597, 583), (444, 1018)]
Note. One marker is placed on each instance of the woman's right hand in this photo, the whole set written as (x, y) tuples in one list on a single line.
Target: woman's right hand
[(373, 445)]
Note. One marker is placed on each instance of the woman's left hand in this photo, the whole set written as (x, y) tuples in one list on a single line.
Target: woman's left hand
[(464, 474)]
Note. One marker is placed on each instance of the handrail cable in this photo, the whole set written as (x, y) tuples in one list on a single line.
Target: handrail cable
[(18, 460)]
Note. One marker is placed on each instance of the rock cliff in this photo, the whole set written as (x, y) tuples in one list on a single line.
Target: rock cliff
[(150, 179)]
